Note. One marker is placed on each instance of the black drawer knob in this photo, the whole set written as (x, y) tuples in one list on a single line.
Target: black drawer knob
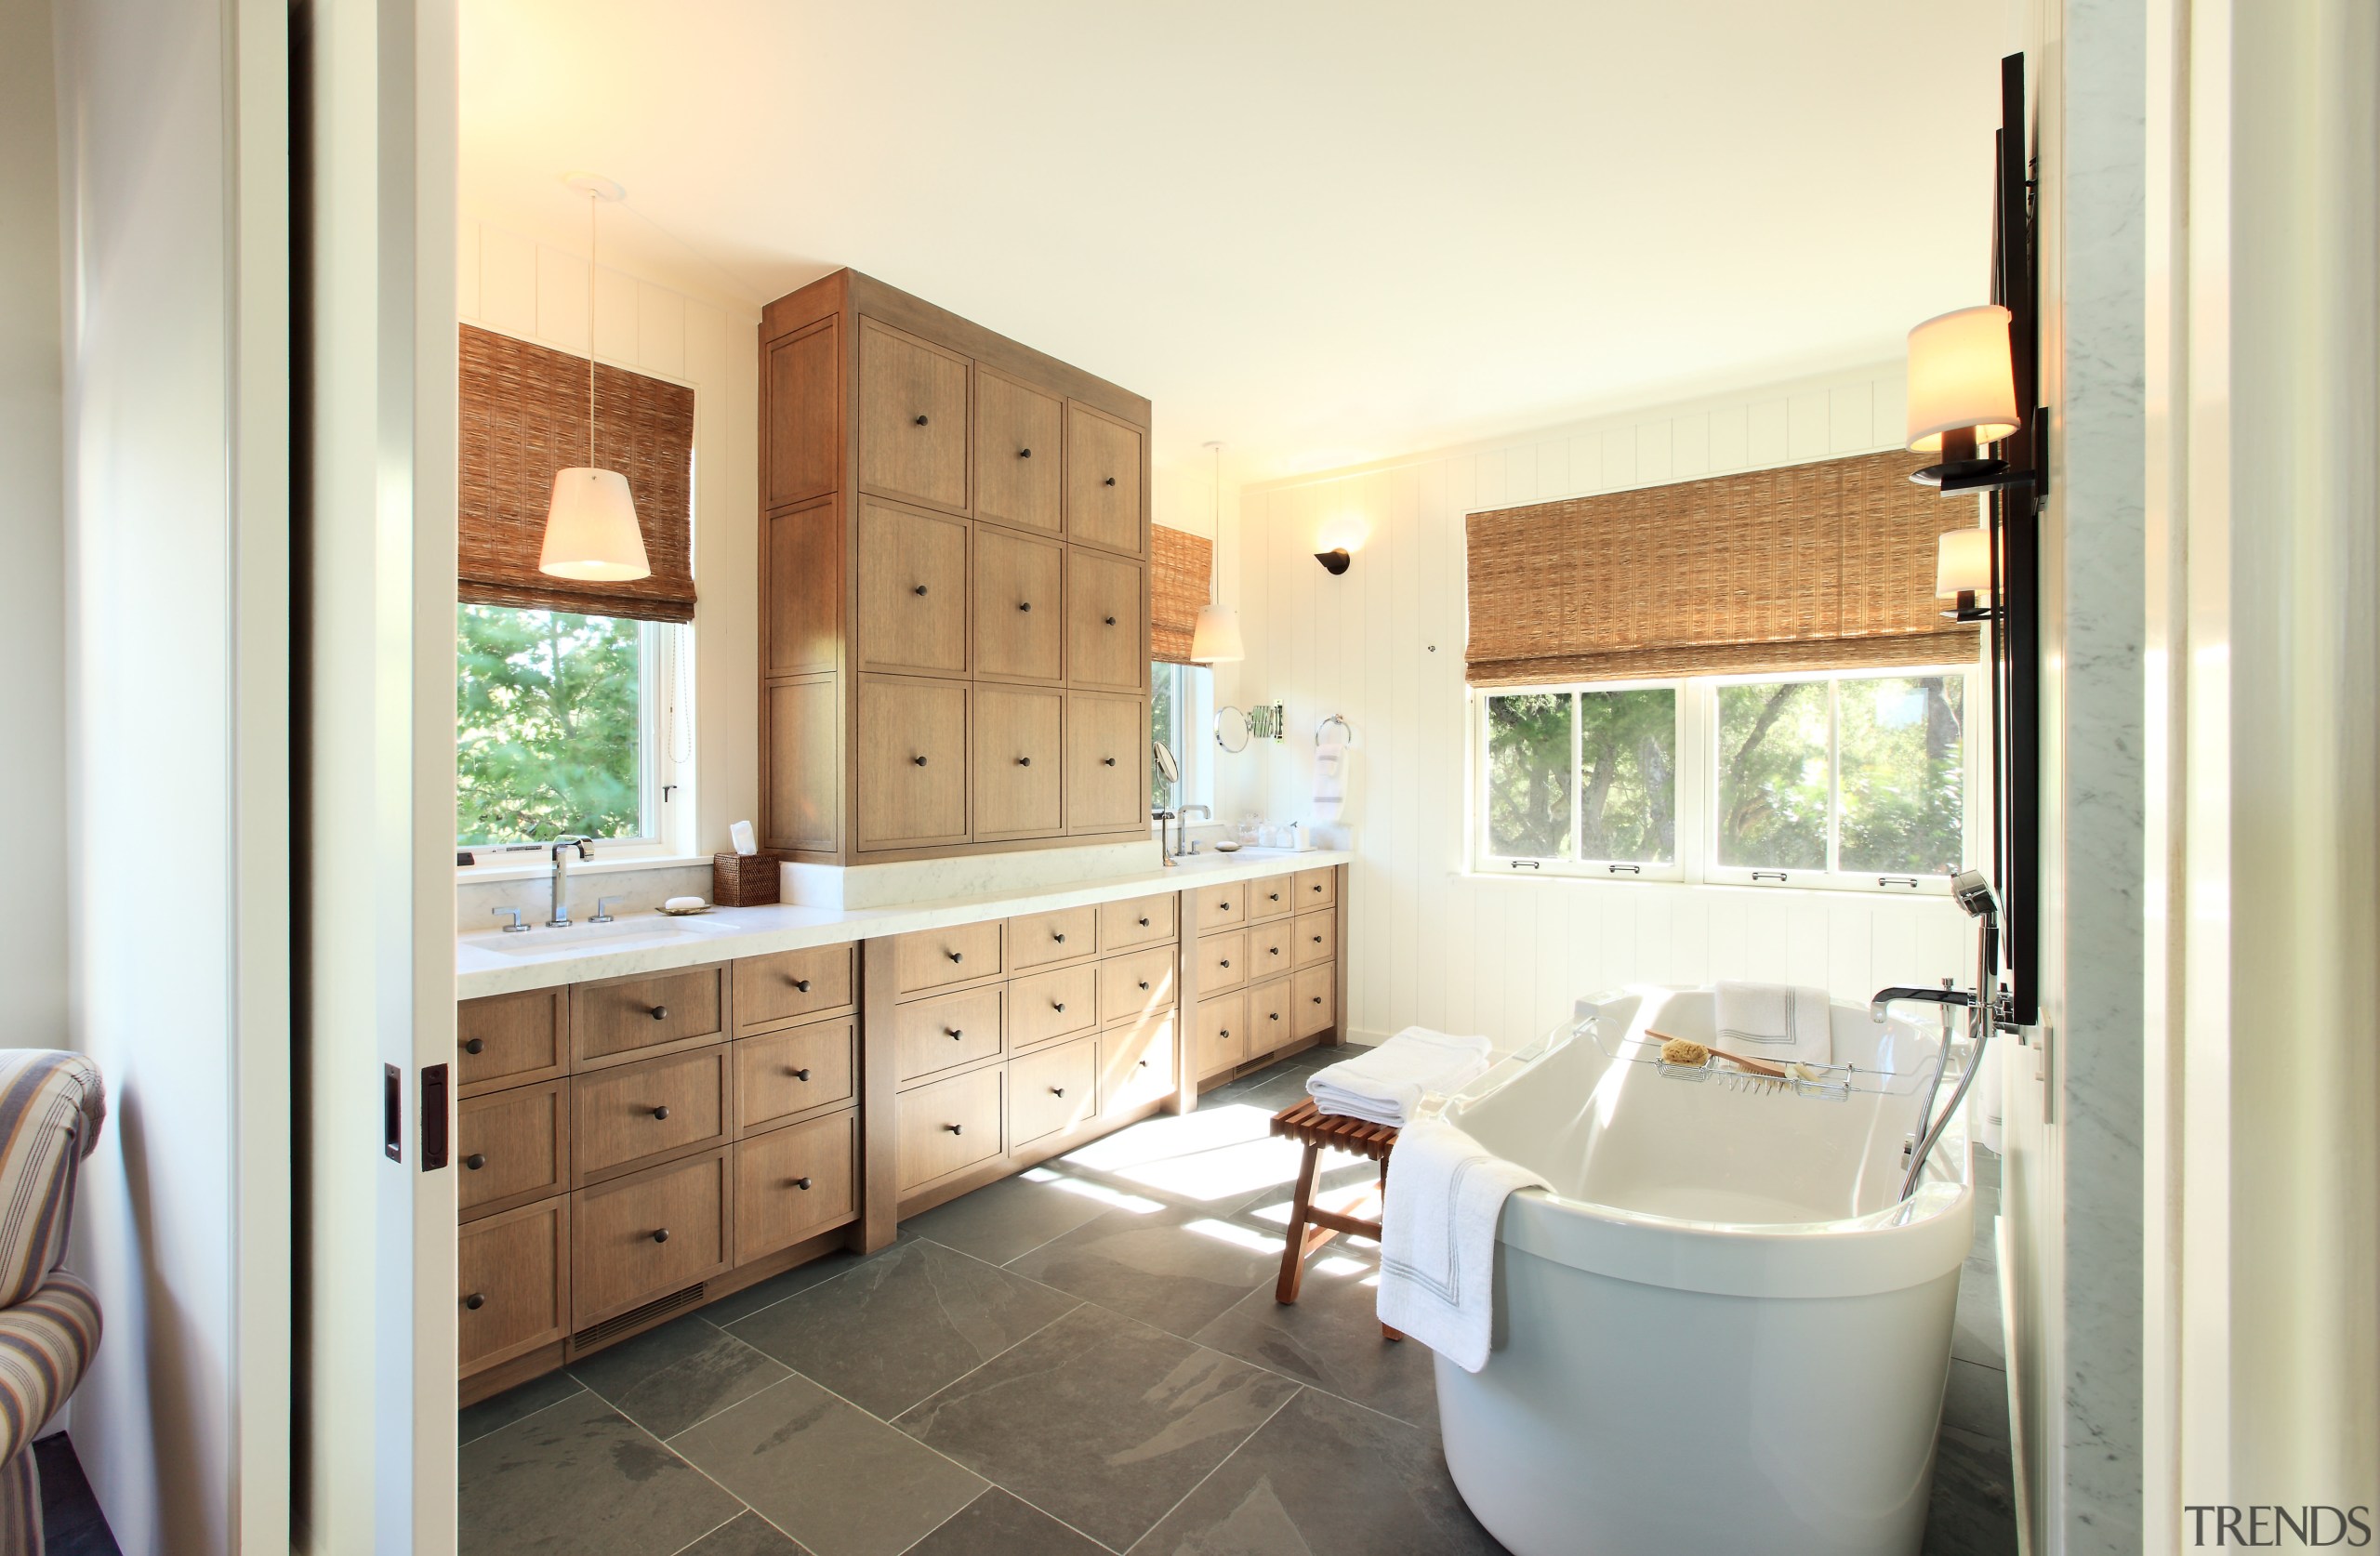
[(1226, 1032), (1025, 454), (661, 1235), (802, 1075), (1025, 761), (1111, 481), (802, 1183), (1145, 1063), (1317, 940), (1145, 982), (1144, 923), (1226, 908), (1057, 1091), (1108, 761), (920, 760), (1060, 935), (475, 1161), (475, 1044), (1111, 621), (957, 955), (955, 1128), (1273, 898), (1318, 999), (1226, 961), (921, 420), (801, 985), (954, 1033), (1025, 604), (919, 589), (1272, 1015), (476, 1301), (1272, 950), (1057, 1005), (661, 1013), (1317, 891), (661, 1113)]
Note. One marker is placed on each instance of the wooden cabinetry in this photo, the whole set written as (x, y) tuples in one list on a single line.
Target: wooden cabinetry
[(945, 512), (1264, 973)]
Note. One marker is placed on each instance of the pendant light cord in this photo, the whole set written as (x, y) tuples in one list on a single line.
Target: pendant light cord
[(1215, 558), (592, 200)]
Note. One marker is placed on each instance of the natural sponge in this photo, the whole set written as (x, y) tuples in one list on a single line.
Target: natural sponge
[(1684, 1051)]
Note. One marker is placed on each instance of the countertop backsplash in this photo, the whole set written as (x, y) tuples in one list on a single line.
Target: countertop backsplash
[(639, 890)]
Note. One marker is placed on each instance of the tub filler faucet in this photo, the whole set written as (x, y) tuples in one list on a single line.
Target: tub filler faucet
[(1987, 1013)]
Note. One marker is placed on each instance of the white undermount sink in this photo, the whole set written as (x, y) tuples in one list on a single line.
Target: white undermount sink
[(624, 934)]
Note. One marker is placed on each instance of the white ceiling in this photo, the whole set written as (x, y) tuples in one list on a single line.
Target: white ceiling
[(1324, 232)]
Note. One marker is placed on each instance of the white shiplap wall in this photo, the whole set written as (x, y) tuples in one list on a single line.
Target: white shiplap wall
[(1382, 646)]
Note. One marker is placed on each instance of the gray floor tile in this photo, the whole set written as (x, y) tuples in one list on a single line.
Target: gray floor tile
[(1976, 1399), (888, 1333), (749, 1535), (998, 1524), (1974, 1507), (579, 1479), (1179, 1269), (1326, 1478), (776, 1288), (832, 1476), (1099, 1421), (1976, 1336), (666, 1380), (498, 1411), (1000, 1220), (1331, 1339)]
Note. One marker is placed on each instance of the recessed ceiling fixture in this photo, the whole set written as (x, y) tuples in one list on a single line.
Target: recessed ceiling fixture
[(1216, 640), (590, 524)]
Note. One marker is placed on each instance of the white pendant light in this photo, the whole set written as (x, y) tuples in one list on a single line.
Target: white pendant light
[(592, 531), (1216, 639)]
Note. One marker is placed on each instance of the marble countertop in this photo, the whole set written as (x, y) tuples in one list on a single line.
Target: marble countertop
[(493, 962)]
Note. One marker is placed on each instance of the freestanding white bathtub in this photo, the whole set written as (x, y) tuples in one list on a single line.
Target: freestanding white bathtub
[(1721, 1331)]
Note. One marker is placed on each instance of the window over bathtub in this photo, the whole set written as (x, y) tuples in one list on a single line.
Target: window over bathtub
[(1846, 780)]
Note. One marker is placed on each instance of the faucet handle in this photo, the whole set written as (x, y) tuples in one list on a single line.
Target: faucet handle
[(603, 914), (516, 927)]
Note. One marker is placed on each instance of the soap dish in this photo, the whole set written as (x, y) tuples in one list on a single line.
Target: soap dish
[(685, 913)]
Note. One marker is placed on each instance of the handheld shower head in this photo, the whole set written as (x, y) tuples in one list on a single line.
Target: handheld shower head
[(1972, 893)]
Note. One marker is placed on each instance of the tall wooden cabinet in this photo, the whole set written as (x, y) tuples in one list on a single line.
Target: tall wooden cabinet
[(954, 586)]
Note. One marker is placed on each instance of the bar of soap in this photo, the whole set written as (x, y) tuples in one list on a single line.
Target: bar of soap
[(683, 904)]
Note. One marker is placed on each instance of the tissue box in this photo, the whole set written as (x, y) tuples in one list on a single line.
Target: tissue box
[(743, 879)]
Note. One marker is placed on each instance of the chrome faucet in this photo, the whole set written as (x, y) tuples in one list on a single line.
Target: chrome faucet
[(1987, 1013), (561, 847), (1182, 837)]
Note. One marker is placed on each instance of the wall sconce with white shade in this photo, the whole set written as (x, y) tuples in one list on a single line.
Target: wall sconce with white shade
[(1216, 640), (592, 531), (1962, 393), (1340, 538), (1963, 573)]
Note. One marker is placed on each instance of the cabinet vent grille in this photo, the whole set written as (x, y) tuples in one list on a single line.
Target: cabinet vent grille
[(636, 1318)]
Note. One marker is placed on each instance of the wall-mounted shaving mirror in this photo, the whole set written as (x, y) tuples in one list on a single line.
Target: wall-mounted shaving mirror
[(1168, 768), (1231, 729)]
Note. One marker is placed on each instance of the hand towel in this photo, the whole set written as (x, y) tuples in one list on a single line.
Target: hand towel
[(1776, 1020), (1329, 780), (1437, 1251), (1385, 1085)]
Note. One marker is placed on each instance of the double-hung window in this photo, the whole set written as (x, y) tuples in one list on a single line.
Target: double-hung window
[(557, 726)]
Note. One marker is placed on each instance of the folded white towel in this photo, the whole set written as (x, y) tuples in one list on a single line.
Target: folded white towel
[(1437, 1252), (1329, 780), (1385, 1085), (1776, 1020)]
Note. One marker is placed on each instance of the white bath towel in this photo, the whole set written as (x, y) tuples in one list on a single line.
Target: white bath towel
[(1329, 780), (1776, 1020), (1437, 1252), (1385, 1085)]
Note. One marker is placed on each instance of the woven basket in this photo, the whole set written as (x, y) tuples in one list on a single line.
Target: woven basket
[(743, 879)]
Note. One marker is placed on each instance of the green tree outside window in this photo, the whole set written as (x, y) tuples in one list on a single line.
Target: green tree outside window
[(548, 726)]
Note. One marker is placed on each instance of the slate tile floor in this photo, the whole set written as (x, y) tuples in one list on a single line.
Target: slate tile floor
[(1083, 1359)]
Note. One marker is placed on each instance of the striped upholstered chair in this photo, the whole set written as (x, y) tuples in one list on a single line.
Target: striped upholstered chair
[(51, 1108)]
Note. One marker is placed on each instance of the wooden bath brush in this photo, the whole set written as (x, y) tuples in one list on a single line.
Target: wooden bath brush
[(1686, 1053)]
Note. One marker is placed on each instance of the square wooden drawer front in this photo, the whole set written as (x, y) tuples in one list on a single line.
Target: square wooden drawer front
[(1271, 1016), (1315, 994), (911, 756), (1019, 467), (1053, 1091), (795, 1071), (1217, 907), (938, 958), (1134, 987), (512, 1280), (932, 1036), (622, 1118), (949, 1126), (1271, 897), (1272, 947), (1018, 760), (1041, 939), (1317, 938), (1107, 763), (628, 1017), (791, 1182), (792, 986), (1222, 1032), (1223, 961), (1135, 922), (515, 1146), (1020, 626), (1317, 888), (645, 1236), (914, 408), (508, 1039), (1062, 1002), (1104, 458), (1136, 1063), (1106, 616)]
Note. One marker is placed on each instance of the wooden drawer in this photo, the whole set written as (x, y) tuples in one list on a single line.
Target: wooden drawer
[(508, 1039), (795, 1070), (1271, 1016), (913, 571), (1107, 607), (1053, 1091), (932, 1036), (1271, 897), (624, 1118), (930, 959), (1135, 922), (1315, 994), (1222, 1032), (1317, 888), (794, 987), (621, 1018), (948, 1127), (1042, 939), (1217, 907), (1062, 1002), (1136, 1063), (1018, 759), (913, 415), (1318, 935), (515, 1147), (1020, 465), (1136, 986), (912, 754), (1272, 948), (641, 1237), (1019, 606), (1107, 763), (793, 1182), (1223, 961), (1103, 459), (513, 1281)]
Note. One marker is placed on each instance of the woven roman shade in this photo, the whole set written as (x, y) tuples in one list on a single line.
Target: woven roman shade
[(523, 417), (1178, 582), (1822, 566)]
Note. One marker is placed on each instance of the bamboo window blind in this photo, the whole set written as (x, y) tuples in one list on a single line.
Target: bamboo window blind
[(1818, 566), (1178, 580), (523, 417)]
